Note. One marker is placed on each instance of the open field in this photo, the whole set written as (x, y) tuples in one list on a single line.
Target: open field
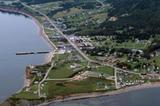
[(62, 88), (28, 95), (105, 70)]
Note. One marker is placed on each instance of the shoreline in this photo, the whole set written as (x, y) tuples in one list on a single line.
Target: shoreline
[(102, 94), (41, 31), (42, 34), (82, 95)]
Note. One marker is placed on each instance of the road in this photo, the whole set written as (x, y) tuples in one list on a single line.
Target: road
[(103, 5), (60, 32), (115, 75), (62, 79), (74, 46), (45, 77)]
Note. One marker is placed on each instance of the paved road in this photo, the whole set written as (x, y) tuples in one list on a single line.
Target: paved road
[(60, 32), (74, 46)]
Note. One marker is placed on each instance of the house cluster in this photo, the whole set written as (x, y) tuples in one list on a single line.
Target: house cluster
[(128, 79), (75, 66), (82, 42), (60, 24), (152, 69), (62, 44), (155, 53), (47, 24), (75, 58), (65, 48)]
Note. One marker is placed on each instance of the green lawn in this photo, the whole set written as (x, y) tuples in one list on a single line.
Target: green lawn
[(63, 56), (105, 70), (62, 71)]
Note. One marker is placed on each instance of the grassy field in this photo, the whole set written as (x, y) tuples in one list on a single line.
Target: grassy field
[(59, 88), (28, 95), (62, 71), (105, 70), (69, 12), (25, 95), (46, 7), (63, 68)]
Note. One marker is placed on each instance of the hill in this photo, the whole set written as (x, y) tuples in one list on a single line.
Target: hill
[(131, 19)]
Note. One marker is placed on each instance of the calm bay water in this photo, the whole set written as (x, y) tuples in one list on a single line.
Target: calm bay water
[(18, 34), (145, 97)]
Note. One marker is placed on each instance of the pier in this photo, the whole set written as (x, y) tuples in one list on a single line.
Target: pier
[(32, 53)]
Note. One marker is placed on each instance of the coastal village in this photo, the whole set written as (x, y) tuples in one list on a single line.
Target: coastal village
[(83, 64)]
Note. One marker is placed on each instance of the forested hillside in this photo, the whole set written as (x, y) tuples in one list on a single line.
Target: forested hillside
[(127, 19), (131, 18)]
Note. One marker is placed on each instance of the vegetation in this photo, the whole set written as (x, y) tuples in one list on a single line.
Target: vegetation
[(133, 19), (123, 33), (63, 69), (62, 88), (105, 70), (28, 95)]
